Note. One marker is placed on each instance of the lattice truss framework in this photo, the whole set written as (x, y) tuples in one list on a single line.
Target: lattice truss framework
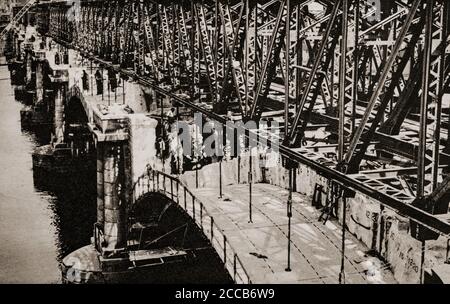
[(355, 67)]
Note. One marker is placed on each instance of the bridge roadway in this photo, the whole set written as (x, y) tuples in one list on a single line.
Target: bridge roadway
[(260, 247)]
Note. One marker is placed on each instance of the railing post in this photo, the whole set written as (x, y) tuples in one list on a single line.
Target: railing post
[(344, 215), (193, 207), (136, 187), (178, 192), (153, 180), (447, 253), (157, 181), (250, 180), (201, 215), (138, 191), (196, 175), (185, 202), (139, 187), (225, 251), (148, 180), (95, 236), (171, 188), (212, 229), (164, 183), (289, 215), (220, 179), (234, 268), (239, 169)]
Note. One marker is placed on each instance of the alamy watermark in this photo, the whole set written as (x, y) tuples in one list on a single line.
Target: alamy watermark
[(234, 138)]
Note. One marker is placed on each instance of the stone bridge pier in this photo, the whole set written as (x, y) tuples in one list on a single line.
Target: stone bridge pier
[(36, 110), (124, 147), (60, 82), (112, 196)]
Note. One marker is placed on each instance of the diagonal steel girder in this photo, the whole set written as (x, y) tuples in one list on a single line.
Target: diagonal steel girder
[(355, 160), (380, 84), (293, 132), (231, 47), (263, 78)]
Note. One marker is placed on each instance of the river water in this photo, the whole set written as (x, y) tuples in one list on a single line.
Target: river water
[(39, 224), (44, 218)]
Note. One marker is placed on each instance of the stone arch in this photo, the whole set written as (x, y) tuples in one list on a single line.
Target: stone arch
[(154, 182), (75, 111)]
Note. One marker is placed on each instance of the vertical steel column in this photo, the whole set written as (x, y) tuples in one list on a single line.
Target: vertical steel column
[(438, 111), (220, 179), (197, 164), (344, 216), (216, 61), (342, 70), (109, 90), (289, 215), (424, 99), (356, 64), (332, 80), (250, 180), (247, 49), (103, 83), (423, 114), (341, 139), (115, 34), (447, 27), (298, 56), (286, 76), (192, 41)]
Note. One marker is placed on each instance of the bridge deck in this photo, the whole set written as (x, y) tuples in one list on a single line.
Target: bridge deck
[(262, 245)]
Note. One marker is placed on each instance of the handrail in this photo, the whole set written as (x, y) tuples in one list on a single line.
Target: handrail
[(154, 181)]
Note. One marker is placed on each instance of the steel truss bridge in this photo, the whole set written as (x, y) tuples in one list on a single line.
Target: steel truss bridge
[(374, 75)]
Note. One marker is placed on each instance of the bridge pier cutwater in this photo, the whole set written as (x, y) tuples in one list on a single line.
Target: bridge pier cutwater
[(141, 92)]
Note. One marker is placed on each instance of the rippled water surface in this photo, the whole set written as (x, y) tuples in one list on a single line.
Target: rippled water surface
[(42, 218)]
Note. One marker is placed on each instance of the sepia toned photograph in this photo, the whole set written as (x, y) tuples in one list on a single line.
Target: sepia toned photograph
[(224, 143)]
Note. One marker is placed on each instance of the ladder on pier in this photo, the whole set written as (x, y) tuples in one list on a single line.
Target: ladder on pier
[(16, 18)]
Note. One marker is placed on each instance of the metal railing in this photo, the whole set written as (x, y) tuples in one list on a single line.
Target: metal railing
[(153, 181)]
